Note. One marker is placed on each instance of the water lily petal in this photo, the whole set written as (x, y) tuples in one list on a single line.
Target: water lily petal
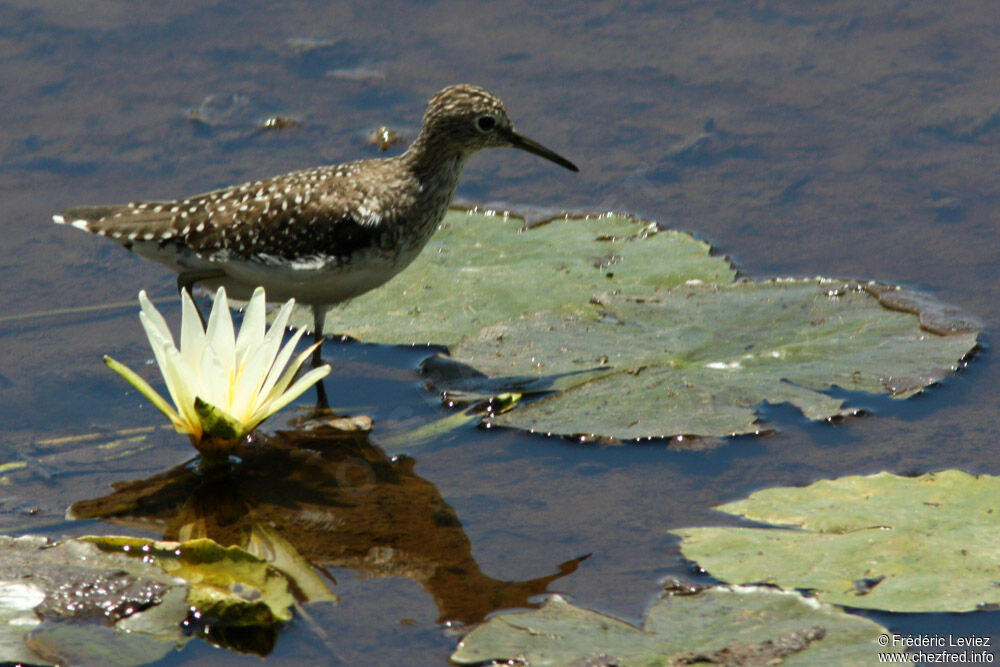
[(280, 321), (252, 330), (264, 365), (291, 393), (274, 338), (293, 368), (182, 386), (267, 391), (219, 332), (158, 344), (146, 390), (192, 331), (177, 373), (246, 394), (216, 379), (276, 334), (154, 317)]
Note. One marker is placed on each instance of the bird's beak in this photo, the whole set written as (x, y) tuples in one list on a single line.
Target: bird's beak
[(526, 144)]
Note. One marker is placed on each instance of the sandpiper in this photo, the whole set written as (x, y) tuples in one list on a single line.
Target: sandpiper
[(324, 235)]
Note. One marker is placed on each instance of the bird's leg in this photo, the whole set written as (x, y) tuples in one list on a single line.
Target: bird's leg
[(319, 317), (322, 402)]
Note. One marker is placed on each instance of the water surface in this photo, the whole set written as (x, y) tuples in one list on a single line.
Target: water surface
[(841, 138)]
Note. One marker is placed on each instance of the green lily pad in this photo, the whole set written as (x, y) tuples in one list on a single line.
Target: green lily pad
[(906, 544), (732, 625), (227, 584), (634, 332), (479, 269), (699, 359)]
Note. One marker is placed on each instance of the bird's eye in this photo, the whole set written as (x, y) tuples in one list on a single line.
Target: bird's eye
[(486, 123)]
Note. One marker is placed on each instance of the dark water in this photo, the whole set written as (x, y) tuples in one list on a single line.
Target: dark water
[(839, 138)]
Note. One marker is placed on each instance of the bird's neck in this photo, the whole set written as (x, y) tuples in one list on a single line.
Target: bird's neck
[(436, 162)]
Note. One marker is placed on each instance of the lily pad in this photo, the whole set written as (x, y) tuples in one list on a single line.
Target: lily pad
[(122, 601), (700, 358), (905, 544), (47, 589), (734, 625), (227, 584), (481, 268), (87, 644), (636, 332), (18, 600)]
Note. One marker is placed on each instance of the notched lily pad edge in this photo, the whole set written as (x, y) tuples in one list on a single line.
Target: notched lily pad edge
[(546, 634), (682, 441), (538, 216), (902, 507), (933, 316), (481, 409), (685, 441)]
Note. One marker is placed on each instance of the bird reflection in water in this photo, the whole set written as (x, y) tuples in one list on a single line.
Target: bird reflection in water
[(323, 497)]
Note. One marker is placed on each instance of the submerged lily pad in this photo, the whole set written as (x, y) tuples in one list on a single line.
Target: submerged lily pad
[(731, 625), (47, 589), (18, 600), (122, 601), (906, 544), (636, 332), (87, 644), (227, 584)]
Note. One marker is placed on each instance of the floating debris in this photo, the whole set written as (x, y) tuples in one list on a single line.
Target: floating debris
[(383, 137), (277, 123)]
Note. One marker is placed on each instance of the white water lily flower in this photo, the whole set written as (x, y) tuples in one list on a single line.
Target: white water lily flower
[(222, 385)]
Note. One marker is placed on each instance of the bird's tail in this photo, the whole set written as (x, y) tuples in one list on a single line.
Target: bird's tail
[(125, 222)]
